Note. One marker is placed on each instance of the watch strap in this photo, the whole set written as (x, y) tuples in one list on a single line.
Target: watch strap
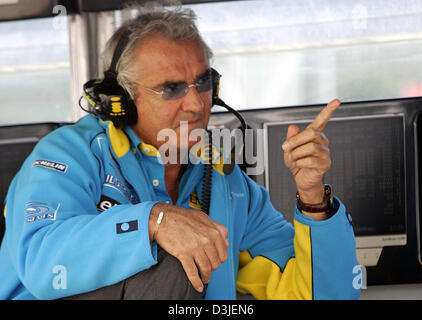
[(325, 206)]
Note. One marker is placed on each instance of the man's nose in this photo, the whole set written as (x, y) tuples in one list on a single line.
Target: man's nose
[(192, 101)]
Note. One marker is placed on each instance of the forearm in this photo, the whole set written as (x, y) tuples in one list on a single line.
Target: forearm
[(152, 222), (155, 219), (85, 246)]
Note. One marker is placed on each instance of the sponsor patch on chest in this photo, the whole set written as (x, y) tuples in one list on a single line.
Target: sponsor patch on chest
[(106, 203), (114, 183)]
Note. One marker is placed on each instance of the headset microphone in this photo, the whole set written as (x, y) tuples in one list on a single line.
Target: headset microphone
[(216, 100), (234, 155)]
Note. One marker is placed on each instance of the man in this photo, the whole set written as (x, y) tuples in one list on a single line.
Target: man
[(95, 213)]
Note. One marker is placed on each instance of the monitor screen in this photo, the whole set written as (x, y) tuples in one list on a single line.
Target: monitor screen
[(367, 174)]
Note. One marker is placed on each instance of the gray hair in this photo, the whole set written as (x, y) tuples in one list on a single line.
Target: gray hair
[(175, 24)]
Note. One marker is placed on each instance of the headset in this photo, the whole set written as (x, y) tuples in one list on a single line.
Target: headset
[(110, 101), (106, 97)]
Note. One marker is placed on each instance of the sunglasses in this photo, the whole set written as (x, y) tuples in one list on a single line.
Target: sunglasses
[(176, 90)]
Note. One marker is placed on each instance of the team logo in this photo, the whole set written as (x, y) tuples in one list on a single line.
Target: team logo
[(36, 211)]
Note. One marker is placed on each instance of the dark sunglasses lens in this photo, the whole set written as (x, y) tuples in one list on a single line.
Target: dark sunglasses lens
[(204, 84), (175, 91)]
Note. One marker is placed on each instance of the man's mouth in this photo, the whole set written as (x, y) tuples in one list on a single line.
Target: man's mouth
[(191, 124)]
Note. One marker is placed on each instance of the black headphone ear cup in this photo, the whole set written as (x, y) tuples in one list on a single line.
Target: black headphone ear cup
[(107, 98), (131, 111), (115, 103)]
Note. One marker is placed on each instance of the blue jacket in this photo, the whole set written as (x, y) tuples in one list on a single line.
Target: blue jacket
[(77, 219)]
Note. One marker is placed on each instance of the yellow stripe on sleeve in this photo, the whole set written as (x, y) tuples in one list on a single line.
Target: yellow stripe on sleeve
[(303, 251), (263, 278)]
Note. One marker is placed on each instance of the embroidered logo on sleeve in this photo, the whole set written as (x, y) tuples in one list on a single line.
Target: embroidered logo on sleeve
[(127, 226), (51, 165), (36, 211)]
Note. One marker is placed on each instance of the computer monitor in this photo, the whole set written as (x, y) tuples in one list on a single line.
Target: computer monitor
[(367, 174), (378, 143)]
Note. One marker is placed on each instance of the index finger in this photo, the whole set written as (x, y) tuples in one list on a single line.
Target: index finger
[(191, 271), (324, 116)]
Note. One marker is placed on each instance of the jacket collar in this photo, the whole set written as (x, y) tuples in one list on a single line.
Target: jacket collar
[(120, 142)]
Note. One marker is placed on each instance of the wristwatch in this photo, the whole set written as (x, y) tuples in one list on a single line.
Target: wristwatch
[(327, 204)]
